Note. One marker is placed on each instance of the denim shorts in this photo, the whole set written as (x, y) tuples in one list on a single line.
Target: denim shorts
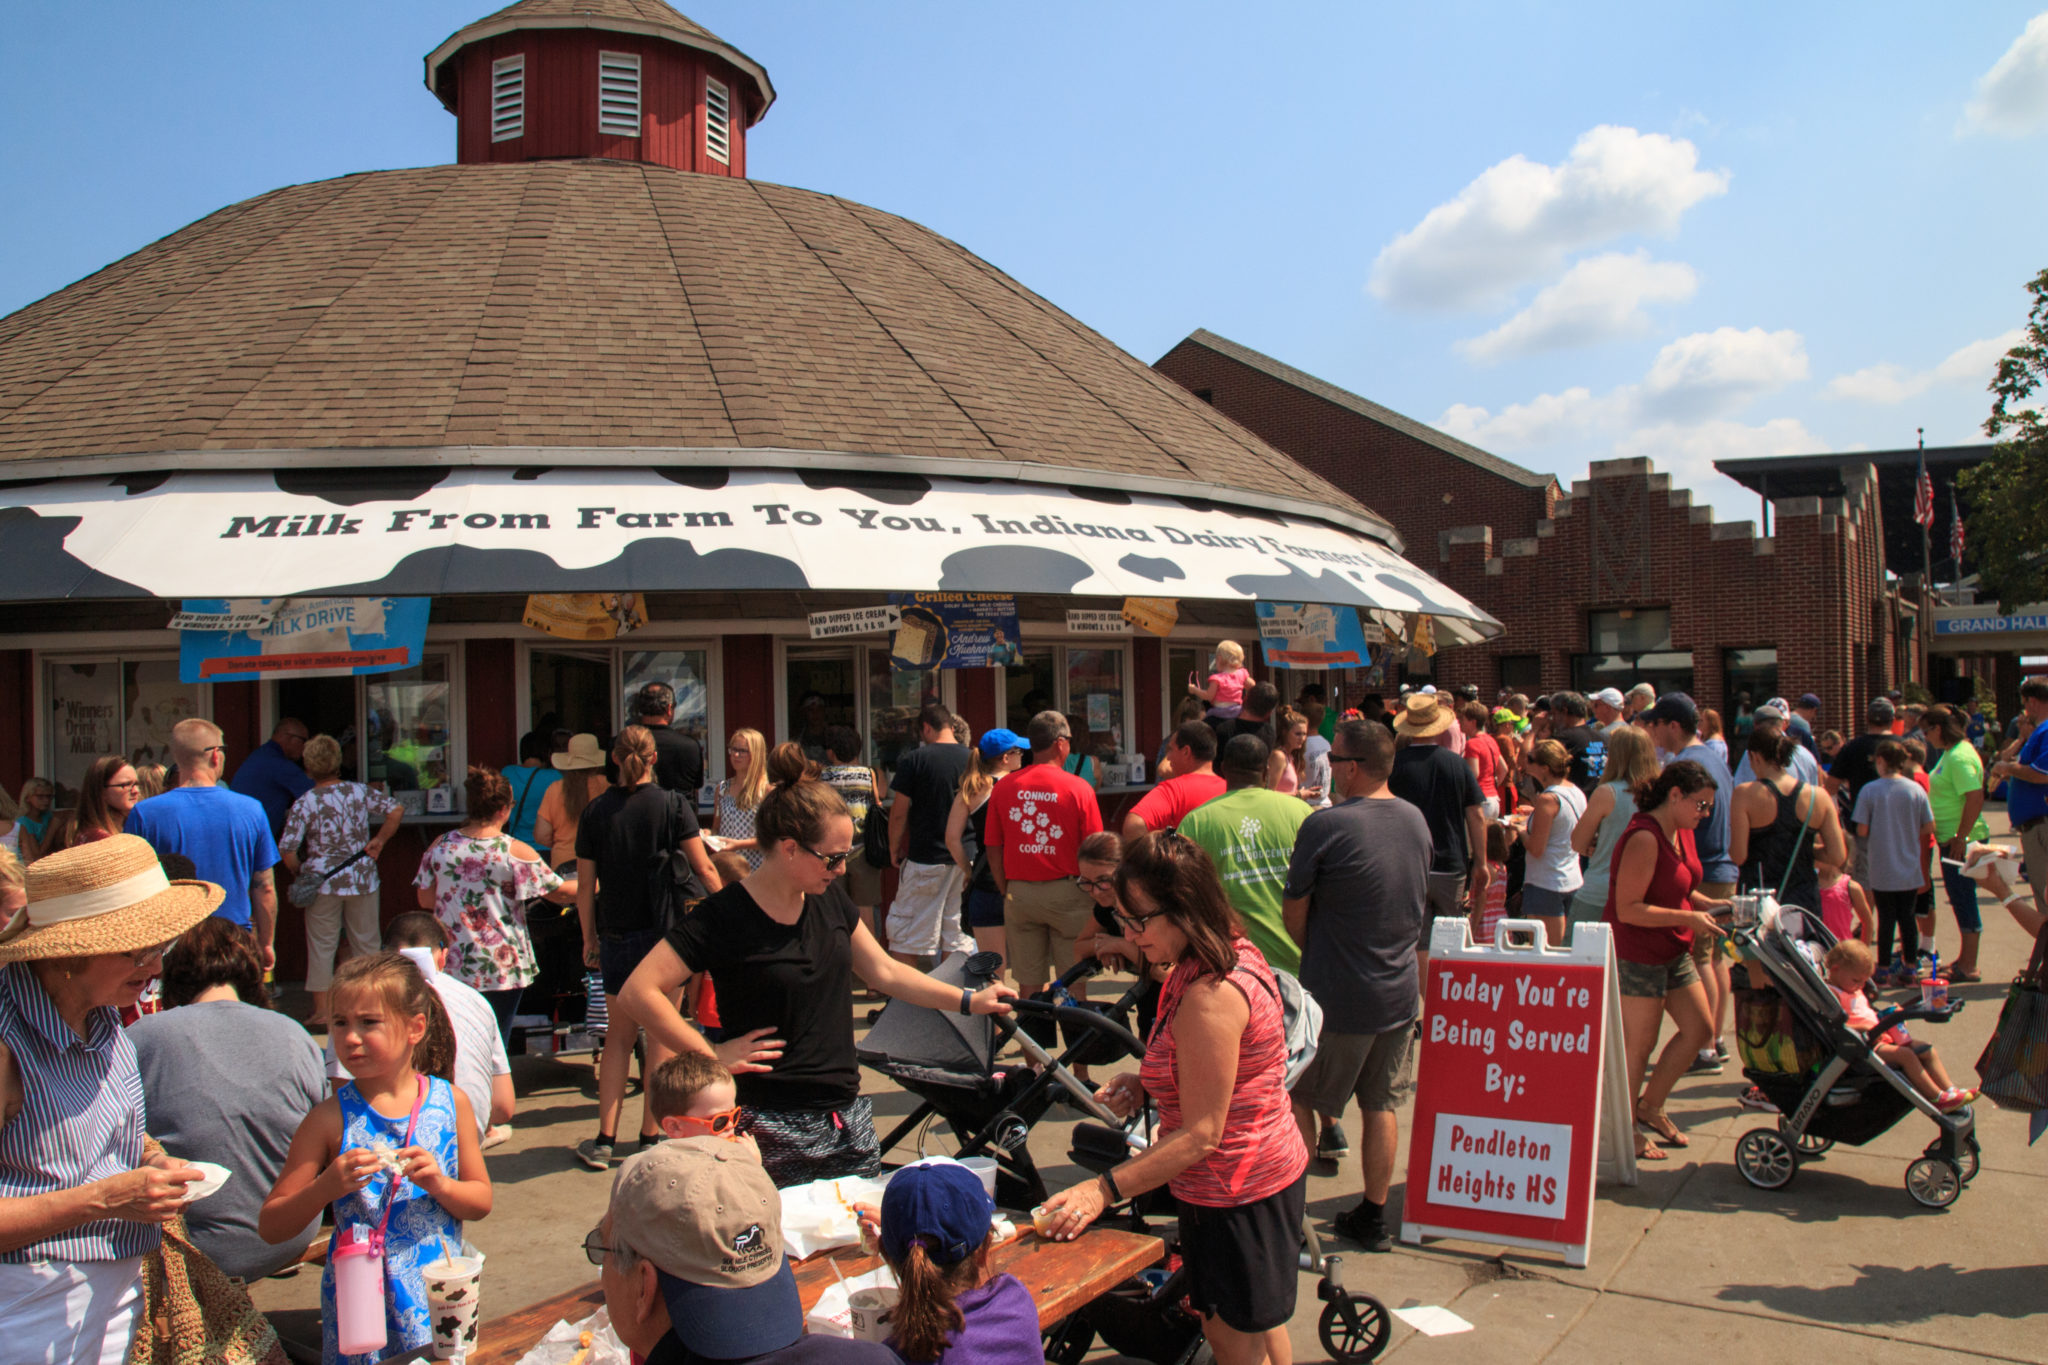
[(617, 957), (984, 909)]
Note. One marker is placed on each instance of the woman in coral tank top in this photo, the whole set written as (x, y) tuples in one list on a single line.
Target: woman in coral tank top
[(1228, 1146)]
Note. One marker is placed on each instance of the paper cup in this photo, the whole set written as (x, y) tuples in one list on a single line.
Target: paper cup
[(870, 1310), (984, 1168), (453, 1290), (215, 1177)]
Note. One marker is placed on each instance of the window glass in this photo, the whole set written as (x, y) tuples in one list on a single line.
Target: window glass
[(894, 699), (407, 726), (1749, 679), (153, 701), (1633, 631), (569, 689), (85, 721), (1095, 701), (688, 671), (822, 691), (1522, 673), (1030, 687)]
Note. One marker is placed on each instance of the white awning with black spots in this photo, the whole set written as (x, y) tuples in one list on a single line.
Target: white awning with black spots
[(436, 532)]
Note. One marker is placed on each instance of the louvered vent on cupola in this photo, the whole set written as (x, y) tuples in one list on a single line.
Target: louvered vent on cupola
[(508, 98), (717, 122), (618, 93)]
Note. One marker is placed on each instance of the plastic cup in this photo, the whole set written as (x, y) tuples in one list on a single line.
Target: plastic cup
[(984, 1168), (870, 1311), (1043, 1220), (358, 1296), (454, 1287)]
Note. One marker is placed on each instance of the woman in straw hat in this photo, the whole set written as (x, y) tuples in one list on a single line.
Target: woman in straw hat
[(562, 805), (78, 1208)]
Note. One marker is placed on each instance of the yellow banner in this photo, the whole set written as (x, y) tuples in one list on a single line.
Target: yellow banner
[(1153, 615), (586, 615), (1422, 633)]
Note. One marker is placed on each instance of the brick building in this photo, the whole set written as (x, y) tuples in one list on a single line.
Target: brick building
[(1621, 579)]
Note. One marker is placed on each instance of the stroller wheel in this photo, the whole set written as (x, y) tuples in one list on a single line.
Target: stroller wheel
[(1354, 1327), (1967, 1161), (1933, 1182), (1808, 1144), (1765, 1159)]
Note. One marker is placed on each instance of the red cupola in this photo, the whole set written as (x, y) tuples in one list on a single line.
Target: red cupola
[(627, 80)]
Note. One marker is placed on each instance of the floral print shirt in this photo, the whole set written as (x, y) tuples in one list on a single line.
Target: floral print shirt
[(334, 820), (480, 890)]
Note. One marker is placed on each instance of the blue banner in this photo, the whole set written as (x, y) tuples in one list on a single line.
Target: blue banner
[(243, 639), (1311, 635), (955, 630)]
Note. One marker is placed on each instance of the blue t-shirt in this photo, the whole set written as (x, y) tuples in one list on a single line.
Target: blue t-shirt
[(1710, 840), (224, 833), (273, 780), (529, 785), (2029, 800)]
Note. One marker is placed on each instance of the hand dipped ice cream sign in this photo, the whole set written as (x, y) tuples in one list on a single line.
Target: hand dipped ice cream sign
[(469, 530)]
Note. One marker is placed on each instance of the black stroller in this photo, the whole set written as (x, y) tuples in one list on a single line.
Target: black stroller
[(949, 1062), (1825, 1077)]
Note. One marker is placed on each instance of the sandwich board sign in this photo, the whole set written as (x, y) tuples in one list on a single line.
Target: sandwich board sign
[(1522, 1094)]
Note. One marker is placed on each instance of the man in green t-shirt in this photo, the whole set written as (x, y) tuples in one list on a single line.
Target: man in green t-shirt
[(1955, 788)]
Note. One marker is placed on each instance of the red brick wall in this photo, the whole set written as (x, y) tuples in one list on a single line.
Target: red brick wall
[(1422, 490)]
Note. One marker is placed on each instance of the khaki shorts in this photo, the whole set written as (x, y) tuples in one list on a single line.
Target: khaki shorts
[(1041, 920), (1378, 1069), (924, 919), (1655, 980)]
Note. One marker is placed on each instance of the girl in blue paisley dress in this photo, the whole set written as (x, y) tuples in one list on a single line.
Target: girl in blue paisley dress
[(392, 1035)]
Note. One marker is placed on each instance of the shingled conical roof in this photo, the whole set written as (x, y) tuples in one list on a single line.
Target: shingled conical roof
[(649, 18), (569, 305)]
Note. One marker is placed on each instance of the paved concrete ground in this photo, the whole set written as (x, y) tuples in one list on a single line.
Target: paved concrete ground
[(1841, 1264)]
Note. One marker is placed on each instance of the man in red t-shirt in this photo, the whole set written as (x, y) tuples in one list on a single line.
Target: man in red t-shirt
[(1191, 751), (1038, 817)]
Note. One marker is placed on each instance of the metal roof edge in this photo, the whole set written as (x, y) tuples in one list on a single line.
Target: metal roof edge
[(1364, 407), (492, 27), (768, 457)]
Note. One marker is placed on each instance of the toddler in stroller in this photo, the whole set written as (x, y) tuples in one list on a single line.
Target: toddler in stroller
[(1826, 1076), (1849, 966)]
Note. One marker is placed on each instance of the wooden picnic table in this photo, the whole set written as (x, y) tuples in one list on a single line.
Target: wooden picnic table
[(1062, 1276)]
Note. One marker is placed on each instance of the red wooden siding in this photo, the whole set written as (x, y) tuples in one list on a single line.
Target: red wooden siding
[(17, 718), (750, 683), (489, 693), (238, 711), (561, 101), (974, 695), (1148, 659)]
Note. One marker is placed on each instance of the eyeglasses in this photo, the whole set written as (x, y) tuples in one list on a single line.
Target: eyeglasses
[(1135, 924), (833, 861), (594, 1247), (1703, 806), (142, 957), (1345, 758), (1095, 883), (130, 786)]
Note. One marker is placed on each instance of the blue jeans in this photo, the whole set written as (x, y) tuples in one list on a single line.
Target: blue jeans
[(1962, 895)]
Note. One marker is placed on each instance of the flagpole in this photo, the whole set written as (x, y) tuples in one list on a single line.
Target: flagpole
[(1926, 631)]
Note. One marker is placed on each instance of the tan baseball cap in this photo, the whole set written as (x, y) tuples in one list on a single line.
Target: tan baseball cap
[(706, 1214)]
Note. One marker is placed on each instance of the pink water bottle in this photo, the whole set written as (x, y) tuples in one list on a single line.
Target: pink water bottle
[(358, 1260)]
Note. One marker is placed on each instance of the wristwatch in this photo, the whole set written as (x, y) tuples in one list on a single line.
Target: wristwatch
[(966, 1001)]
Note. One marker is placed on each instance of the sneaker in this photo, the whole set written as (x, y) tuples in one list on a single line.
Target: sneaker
[(1367, 1229), (1755, 1098), (496, 1134), (594, 1154), (1953, 1099), (1705, 1064), (1331, 1144)]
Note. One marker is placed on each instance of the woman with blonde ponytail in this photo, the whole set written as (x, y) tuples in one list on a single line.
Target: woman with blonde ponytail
[(952, 1311)]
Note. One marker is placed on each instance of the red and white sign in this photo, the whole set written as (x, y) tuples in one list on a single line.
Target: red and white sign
[(1520, 1092)]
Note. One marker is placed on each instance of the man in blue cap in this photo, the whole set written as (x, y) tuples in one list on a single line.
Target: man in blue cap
[(693, 1266)]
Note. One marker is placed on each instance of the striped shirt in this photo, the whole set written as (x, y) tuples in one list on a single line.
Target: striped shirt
[(81, 1118)]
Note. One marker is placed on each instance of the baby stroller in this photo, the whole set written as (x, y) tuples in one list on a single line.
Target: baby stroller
[(1825, 1077), (948, 1062)]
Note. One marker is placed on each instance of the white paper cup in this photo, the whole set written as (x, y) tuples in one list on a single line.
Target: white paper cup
[(214, 1177), (454, 1288), (870, 1310), (984, 1168)]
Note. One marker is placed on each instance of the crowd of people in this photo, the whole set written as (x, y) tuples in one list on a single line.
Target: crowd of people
[(1279, 842)]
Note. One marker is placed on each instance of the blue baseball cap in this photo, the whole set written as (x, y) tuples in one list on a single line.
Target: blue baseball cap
[(995, 743), (941, 1203)]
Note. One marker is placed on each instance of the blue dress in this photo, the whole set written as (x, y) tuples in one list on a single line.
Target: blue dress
[(417, 1222)]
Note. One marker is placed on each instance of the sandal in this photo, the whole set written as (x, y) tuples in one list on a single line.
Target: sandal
[(1650, 1151), (1660, 1123), (1962, 974)]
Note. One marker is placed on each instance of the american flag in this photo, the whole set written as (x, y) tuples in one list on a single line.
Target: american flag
[(1955, 532), (1923, 496)]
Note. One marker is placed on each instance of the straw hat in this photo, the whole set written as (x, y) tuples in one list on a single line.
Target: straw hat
[(105, 897), (1422, 717), (581, 753)]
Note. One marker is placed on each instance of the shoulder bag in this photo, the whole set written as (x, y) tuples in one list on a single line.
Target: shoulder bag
[(2013, 1069)]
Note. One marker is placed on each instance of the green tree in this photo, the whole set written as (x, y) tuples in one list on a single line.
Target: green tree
[(2008, 493)]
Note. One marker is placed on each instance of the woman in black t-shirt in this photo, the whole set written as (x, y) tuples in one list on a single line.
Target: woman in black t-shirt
[(627, 888), (785, 945)]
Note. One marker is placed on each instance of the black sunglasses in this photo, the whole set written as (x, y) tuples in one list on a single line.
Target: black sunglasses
[(833, 862)]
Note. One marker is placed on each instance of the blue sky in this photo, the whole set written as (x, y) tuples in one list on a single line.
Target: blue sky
[(1565, 232)]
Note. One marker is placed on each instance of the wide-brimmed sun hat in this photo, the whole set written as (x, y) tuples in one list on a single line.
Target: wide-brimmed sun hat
[(106, 897), (582, 752), (1422, 717)]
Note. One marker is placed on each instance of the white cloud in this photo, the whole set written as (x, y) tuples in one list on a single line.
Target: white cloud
[(2012, 97), (1520, 219), (1710, 373), (1888, 383), (1599, 298), (1687, 451), (1544, 418)]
